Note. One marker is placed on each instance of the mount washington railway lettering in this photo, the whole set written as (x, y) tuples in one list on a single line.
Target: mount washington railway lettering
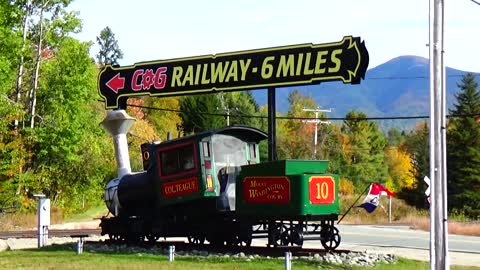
[(266, 190)]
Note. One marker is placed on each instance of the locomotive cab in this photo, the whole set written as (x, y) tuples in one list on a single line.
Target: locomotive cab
[(202, 168), (230, 153)]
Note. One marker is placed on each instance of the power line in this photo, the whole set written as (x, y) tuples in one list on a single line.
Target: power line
[(310, 118), (476, 2), (413, 77)]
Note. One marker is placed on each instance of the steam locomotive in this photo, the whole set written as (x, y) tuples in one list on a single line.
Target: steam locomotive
[(211, 186)]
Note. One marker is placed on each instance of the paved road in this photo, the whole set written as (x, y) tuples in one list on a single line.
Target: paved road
[(400, 240)]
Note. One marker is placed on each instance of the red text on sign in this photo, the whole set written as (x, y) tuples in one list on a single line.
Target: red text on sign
[(144, 79)]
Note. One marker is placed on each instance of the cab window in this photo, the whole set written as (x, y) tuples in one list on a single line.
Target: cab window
[(177, 160)]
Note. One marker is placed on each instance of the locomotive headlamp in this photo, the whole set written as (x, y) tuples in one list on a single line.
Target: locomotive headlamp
[(209, 182)]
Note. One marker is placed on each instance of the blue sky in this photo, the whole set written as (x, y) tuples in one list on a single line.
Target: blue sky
[(158, 29)]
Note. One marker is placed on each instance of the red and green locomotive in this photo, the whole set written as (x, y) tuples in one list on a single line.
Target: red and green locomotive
[(212, 187)]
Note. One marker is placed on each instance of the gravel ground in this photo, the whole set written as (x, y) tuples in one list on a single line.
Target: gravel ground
[(25, 243), (353, 258)]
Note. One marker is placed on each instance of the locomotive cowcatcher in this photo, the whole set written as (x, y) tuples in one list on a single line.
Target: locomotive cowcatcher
[(211, 186)]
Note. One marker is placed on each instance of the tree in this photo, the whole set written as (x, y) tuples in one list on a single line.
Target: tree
[(395, 137), (463, 150), (141, 132), (163, 115), (238, 106), (54, 24), (399, 169), (68, 142), (66, 155), (416, 144), (25, 9), (109, 49), (199, 113), (295, 140), (364, 150)]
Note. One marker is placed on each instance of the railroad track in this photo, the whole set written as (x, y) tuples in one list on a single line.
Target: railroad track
[(179, 245), (51, 233)]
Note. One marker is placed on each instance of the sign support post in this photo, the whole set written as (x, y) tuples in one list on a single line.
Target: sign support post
[(272, 125)]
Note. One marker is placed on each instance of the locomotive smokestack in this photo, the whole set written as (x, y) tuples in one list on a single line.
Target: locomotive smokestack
[(117, 123)]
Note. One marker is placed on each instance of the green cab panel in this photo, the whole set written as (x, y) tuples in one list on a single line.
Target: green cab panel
[(288, 189)]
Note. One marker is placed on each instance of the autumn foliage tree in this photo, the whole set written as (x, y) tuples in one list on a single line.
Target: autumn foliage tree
[(399, 169)]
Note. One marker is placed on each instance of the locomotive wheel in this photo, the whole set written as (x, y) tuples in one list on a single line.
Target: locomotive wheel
[(275, 235), (244, 242), (244, 238), (115, 237), (196, 240), (330, 238), (134, 239), (285, 237), (296, 236), (217, 241), (152, 238)]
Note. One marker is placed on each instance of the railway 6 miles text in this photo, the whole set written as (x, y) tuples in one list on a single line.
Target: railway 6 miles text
[(306, 64)]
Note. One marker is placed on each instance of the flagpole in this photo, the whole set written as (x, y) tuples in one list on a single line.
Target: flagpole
[(389, 209), (353, 204)]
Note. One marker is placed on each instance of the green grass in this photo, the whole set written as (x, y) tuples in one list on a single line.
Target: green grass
[(64, 257)]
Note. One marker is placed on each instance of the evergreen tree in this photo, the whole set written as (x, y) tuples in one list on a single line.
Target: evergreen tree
[(364, 150), (198, 113), (110, 52), (395, 137), (239, 105), (463, 150), (416, 144)]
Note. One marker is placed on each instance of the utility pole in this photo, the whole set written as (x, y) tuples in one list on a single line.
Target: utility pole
[(316, 122), (439, 259), (225, 108)]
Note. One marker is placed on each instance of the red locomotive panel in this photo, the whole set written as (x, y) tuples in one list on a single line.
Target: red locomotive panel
[(180, 188), (274, 190), (321, 189)]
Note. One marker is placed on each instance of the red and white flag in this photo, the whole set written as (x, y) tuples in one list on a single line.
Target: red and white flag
[(370, 202)]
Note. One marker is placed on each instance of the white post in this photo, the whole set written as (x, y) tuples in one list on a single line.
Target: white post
[(171, 253), (80, 246), (288, 260), (43, 216)]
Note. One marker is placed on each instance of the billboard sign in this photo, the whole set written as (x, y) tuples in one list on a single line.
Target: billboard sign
[(346, 61)]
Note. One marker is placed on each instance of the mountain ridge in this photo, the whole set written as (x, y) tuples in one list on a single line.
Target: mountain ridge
[(396, 88)]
